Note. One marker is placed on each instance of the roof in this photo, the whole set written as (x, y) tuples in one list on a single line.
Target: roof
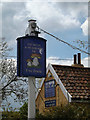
[(76, 81)]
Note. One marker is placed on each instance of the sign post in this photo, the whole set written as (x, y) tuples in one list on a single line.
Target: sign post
[(31, 98), (31, 62)]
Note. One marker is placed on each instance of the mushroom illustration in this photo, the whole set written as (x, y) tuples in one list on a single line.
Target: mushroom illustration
[(35, 59), (29, 62)]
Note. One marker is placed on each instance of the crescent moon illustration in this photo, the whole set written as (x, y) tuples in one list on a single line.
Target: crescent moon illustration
[(40, 51)]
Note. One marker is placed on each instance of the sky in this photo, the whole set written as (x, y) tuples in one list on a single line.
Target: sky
[(68, 20)]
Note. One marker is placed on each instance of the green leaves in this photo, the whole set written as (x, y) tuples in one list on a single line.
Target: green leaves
[(10, 115), (69, 112), (24, 112)]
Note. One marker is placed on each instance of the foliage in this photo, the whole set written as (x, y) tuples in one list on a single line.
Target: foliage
[(4, 49), (69, 112), (12, 86), (24, 112), (75, 111), (82, 44), (10, 115)]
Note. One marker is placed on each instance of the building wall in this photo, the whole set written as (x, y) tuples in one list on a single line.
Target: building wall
[(59, 97)]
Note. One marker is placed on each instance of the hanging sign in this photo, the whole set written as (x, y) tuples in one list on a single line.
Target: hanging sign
[(31, 56)]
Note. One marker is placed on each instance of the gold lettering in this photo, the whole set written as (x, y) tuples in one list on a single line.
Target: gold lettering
[(37, 71), (28, 70), (33, 46)]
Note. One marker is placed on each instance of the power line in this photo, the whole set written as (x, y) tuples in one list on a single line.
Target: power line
[(59, 59), (10, 56), (64, 59), (4, 56), (63, 41)]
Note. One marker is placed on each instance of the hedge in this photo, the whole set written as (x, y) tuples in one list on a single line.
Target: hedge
[(68, 112)]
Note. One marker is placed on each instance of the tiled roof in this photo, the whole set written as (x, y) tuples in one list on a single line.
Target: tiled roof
[(76, 80)]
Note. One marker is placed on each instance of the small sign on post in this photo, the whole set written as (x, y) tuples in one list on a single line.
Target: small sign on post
[(31, 59)]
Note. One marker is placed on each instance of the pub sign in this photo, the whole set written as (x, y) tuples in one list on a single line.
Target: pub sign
[(50, 103), (31, 56), (49, 88)]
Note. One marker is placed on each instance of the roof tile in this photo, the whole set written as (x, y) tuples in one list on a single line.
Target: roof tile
[(75, 79)]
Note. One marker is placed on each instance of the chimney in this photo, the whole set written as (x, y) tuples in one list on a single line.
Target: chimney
[(75, 59), (79, 61), (79, 58)]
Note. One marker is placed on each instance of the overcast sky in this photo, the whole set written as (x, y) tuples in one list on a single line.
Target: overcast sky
[(66, 20)]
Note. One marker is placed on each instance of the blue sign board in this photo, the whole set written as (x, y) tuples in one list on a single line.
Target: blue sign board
[(50, 103), (50, 88), (31, 56)]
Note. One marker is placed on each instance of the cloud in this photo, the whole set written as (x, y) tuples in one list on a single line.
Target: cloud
[(46, 0), (71, 0), (67, 61), (12, 26), (50, 16), (84, 27), (14, 0), (0, 20), (85, 61), (74, 9), (58, 61)]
